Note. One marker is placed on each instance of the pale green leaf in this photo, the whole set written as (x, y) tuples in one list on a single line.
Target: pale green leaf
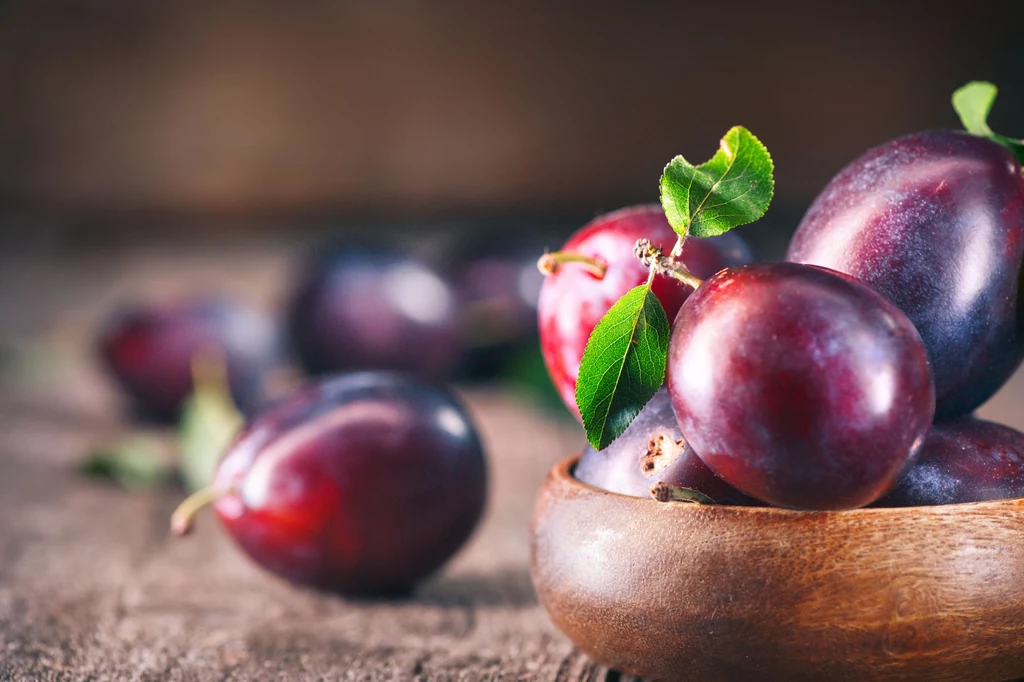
[(972, 103), (209, 423)]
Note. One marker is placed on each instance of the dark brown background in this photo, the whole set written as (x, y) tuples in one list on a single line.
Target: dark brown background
[(132, 116)]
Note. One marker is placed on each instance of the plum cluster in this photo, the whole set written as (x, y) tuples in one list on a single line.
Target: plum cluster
[(844, 377), (353, 307), (360, 482)]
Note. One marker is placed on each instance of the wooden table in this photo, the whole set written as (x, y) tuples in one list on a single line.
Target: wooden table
[(93, 587)]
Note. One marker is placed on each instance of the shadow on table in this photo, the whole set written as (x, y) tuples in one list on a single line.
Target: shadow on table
[(508, 587)]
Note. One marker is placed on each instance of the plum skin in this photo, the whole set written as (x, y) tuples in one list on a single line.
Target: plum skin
[(499, 287), (935, 221), (150, 349), (963, 460), (799, 386), (573, 300), (625, 468), (360, 308), (362, 484)]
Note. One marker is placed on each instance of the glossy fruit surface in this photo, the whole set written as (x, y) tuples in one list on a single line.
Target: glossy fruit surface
[(934, 221), (573, 299), (800, 386), (359, 308), (653, 450), (964, 460), (150, 351), (362, 484)]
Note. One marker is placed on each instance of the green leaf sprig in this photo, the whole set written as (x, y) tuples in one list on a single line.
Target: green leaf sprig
[(972, 103), (732, 188), (623, 365)]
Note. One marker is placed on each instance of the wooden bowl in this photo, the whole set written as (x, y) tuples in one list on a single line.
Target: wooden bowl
[(682, 591)]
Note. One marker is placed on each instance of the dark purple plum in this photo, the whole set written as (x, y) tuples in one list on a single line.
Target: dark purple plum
[(360, 308), (150, 350), (575, 297), (964, 460), (935, 221), (362, 484), (498, 286), (798, 385), (653, 450)]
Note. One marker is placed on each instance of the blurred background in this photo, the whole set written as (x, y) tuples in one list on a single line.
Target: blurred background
[(155, 150), (127, 120)]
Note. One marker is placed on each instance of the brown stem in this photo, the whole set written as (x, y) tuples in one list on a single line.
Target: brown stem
[(181, 519), (549, 263), (652, 257), (677, 271)]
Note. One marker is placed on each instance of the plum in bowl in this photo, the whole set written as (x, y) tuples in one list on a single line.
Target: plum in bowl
[(683, 591)]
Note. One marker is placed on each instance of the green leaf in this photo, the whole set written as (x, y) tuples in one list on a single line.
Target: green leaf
[(666, 492), (733, 188), (623, 365), (133, 464), (209, 423), (972, 103)]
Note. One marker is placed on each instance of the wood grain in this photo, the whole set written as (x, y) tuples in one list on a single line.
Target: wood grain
[(92, 586), (682, 591)]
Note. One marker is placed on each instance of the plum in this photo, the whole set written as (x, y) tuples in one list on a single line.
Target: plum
[(653, 450), (150, 350), (498, 285), (964, 460), (798, 385), (363, 308), (935, 221), (597, 266), (362, 484)]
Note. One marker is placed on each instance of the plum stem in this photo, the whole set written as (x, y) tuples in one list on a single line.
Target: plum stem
[(549, 263), (181, 519), (677, 248), (652, 257)]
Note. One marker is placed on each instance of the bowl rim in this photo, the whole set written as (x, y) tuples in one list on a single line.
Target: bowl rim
[(562, 472)]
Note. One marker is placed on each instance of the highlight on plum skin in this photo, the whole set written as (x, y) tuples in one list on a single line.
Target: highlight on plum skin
[(151, 350), (653, 450), (934, 221), (963, 460), (362, 484), (357, 307), (798, 385), (576, 295)]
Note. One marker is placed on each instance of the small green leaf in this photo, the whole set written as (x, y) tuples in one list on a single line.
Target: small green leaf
[(133, 464), (972, 103), (733, 188), (623, 365), (209, 422), (666, 492)]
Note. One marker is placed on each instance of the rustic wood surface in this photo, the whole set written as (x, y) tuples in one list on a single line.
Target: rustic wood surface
[(92, 586)]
